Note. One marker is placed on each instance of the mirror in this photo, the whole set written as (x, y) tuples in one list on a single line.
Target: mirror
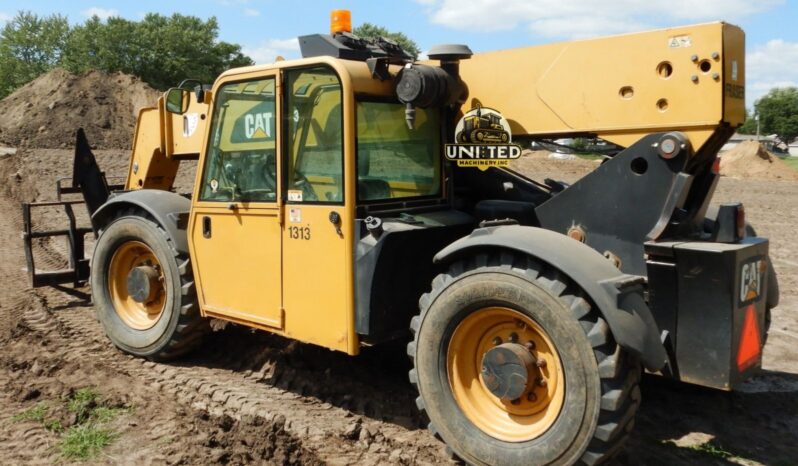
[(177, 100)]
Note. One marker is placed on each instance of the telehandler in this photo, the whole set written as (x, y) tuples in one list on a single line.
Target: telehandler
[(333, 205)]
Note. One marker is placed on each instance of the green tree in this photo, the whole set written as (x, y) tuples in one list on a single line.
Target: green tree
[(160, 50), (749, 127), (371, 31), (30, 46), (579, 145), (778, 113), (113, 45)]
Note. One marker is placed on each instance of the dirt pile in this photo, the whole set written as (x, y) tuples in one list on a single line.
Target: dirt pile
[(538, 165), (46, 112), (750, 160)]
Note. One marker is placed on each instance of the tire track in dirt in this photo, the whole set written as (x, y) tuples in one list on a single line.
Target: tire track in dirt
[(26, 442), (161, 433), (29, 441), (223, 392)]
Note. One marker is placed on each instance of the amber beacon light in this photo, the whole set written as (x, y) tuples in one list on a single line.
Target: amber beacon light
[(340, 21)]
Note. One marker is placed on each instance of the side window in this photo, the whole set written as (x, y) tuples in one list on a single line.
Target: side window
[(392, 161), (241, 164), (313, 125)]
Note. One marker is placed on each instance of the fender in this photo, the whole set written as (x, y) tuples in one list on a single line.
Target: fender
[(163, 206), (618, 296)]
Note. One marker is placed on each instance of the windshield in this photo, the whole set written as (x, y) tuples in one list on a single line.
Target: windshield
[(241, 164), (392, 160)]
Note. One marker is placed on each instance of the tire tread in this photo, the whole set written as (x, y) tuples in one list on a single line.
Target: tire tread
[(619, 372), (191, 327)]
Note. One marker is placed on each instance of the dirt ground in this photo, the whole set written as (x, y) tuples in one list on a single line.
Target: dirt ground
[(250, 397)]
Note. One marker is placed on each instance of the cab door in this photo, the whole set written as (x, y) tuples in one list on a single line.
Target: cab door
[(317, 234), (235, 224)]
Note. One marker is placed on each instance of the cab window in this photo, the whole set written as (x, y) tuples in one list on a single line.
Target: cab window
[(241, 164), (394, 161), (313, 125)]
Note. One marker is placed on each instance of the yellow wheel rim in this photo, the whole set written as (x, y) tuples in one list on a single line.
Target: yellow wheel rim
[(531, 414), (142, 314)]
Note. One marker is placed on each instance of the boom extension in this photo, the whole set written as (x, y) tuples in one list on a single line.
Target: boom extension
[(620, 88)]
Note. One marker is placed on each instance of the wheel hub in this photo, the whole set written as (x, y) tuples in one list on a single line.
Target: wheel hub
[(508, 370), (505, 374), (142, 283), (136, 285)]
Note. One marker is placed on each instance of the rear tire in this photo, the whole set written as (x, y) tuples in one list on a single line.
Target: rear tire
[(178, 327), (773, 294), (601, 380)]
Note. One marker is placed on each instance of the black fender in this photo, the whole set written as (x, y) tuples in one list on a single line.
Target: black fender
[(618, 296), (164, 206)]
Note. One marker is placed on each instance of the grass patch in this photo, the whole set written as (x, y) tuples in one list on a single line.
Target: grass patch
[(89, 434), (53, 425), (709, 448), (36, 413), (86, 407), (82, 403), (85, 441), (106, 413), (88, 437), (792, 162)]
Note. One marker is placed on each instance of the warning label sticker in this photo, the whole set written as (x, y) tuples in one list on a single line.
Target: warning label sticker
[(680, 41)]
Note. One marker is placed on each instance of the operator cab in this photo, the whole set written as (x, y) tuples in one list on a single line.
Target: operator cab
[(337, 158), (401, 133)]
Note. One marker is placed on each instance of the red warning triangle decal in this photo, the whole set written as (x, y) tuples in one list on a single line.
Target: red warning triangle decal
[(750, 344)]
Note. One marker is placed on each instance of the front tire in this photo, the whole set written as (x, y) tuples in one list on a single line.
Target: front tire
[(164, 322), (583, 409)]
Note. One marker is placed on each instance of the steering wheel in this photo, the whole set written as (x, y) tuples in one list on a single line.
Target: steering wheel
[(269, 172), (301, 182)]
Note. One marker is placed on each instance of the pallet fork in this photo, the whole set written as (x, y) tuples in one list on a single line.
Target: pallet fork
[(88, 180)]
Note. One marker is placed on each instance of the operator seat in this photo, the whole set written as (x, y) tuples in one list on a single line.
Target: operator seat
[(369, 189)]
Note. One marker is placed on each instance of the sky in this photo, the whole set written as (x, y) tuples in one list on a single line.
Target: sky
[(268, 28)]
